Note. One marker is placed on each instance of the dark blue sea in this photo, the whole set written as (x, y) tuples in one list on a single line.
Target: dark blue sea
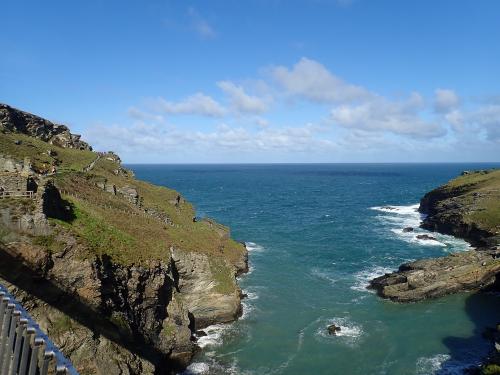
[(317, 233)]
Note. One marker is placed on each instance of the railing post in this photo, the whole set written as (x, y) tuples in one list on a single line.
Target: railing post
[(29, 333), (23, 323), (7, 357), (34, 355), (3, 304), (47, 357), (5, 329)]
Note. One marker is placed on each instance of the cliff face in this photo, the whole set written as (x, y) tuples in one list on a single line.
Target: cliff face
[(114, 269), (467, 207)]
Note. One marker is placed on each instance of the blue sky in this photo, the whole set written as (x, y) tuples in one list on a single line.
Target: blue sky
[(262, 80)]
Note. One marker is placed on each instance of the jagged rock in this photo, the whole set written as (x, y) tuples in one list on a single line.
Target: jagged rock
[(200, 333), (209, 302), (425, 237), (408, 229), (14, 120), (333, 329)]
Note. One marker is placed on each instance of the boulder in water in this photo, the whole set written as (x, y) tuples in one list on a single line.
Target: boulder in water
[(426, 237), (333, 329), (408, 229)]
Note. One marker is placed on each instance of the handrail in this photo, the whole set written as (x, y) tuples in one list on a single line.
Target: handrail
[(17, 194), (24, 348)]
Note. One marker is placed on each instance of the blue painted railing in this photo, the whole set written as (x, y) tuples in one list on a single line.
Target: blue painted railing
[(24, 348)]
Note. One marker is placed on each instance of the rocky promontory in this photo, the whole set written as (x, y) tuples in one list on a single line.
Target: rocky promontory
[(467, 207), (115, 270)]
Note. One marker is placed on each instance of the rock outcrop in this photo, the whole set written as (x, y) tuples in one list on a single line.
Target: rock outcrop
[(466, 207), (457, 208), (14, 120), (430, 278)]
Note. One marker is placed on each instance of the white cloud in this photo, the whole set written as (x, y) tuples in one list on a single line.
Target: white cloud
[(197, 104), (382, 115), (311, 80), (262, 122), (144, 138), (488, 119), (137, 114), (241, 102), (445, 100), (201, 25)]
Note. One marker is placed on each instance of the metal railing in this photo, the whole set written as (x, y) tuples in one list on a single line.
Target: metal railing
[(17, 194), (24, 348)]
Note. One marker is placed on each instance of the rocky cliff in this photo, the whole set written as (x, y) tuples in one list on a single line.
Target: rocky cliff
[(14, 120), (466, 207), (115, 270)]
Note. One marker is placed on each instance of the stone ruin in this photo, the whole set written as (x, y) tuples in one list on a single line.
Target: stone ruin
[(16, 176)]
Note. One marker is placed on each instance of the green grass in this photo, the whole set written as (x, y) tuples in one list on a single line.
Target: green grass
[(491, 369), (48, 242), (62, 324), (107, 224), (480, 193), (222, 276), (36, 150)]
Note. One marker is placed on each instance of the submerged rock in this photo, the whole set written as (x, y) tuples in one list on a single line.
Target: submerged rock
[(408, 229)]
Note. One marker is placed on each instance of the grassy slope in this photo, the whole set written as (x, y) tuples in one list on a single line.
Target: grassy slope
[(111, 225), (480, 192)]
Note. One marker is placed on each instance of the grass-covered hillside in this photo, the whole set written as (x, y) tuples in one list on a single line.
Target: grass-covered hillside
[(110, 223)]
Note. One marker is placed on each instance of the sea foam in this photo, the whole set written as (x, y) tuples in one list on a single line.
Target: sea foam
[(397, 218)]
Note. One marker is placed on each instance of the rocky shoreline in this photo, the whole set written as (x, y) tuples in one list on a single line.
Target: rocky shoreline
[(466, 208)]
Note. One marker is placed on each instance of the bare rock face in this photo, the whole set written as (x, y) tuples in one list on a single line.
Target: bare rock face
[(209, 289), (96, 310), (14, 120), (435, 277)]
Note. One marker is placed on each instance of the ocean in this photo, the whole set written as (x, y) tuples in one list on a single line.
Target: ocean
[(316, 234)]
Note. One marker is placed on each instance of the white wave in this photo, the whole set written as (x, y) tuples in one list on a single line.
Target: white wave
[(213, 366), (196, 368), (400, 210), (251, 295), (323, 275), (400, 217), (443, 364), (430, 365), (253, 247), (364, 277), (350, 333), (214, 335)]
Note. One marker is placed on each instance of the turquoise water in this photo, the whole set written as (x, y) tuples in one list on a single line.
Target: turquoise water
[(316, 235)]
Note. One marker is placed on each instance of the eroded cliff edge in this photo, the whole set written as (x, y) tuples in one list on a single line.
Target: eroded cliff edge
[(117, 271)]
